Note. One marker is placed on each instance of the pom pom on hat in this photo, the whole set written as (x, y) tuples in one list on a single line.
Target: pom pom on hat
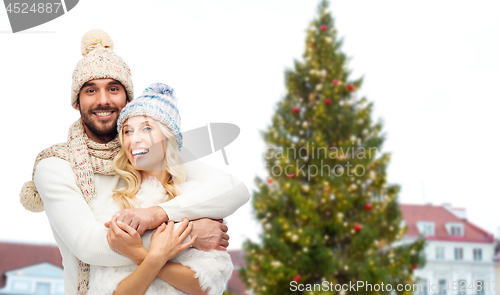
[(94, 39), (30, 199), (161, 89)]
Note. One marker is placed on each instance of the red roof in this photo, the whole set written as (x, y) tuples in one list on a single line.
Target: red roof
[(17, 255), (440, 216)]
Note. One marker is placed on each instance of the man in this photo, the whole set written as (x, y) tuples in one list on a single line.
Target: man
[(68, 176)]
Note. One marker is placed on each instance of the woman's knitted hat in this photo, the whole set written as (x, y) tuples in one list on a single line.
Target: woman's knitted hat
[(159, 102), (99, 62)]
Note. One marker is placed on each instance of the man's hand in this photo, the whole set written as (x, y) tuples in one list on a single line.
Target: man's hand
[(142, 219), (211, 234)]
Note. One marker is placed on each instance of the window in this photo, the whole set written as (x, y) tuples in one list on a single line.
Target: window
[(479, 287), (456, 231), (459, 254), (20, 285), (42, 289), (442, 285), (462, 287), (421, 288), (439, 252), (429, 229), (478, 254), (426, 228), (424, 288)]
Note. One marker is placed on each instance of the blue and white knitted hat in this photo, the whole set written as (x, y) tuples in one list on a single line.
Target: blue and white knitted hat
[(159, 102)]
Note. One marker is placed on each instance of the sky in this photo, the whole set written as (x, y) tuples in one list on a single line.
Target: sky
[(431, 68)]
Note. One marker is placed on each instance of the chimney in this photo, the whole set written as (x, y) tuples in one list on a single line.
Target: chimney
[(458, 212)]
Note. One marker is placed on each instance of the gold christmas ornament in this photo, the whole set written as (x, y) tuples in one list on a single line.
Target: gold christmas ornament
[(312, 97)]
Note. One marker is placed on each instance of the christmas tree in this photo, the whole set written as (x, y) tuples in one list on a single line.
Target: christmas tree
[(326, 209)]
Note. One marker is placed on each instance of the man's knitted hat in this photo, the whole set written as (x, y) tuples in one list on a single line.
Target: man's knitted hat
[(159, 102), (99, 62)]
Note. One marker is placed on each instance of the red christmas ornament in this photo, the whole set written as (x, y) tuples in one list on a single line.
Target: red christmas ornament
[(350, 87), (290, 175), (296, 278), (295, 110), (368, 207), (357, 227), (414, 266), (323, 28), (328, 101), (269, 180)]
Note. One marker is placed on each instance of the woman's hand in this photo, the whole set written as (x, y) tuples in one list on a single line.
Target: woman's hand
[(166, 243), (125, 240)]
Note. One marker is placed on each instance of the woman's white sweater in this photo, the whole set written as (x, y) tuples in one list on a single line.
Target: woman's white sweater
[(213, 269), (80, 236)]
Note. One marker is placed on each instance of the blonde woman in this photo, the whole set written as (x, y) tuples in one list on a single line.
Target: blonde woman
[(150, 164)]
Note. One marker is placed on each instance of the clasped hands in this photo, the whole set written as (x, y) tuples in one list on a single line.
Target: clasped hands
[(125, 230)]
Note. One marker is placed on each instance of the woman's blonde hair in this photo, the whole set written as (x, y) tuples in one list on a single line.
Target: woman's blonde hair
[(173, 162)]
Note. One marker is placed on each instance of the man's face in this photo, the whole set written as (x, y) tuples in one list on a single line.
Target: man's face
[(100, 103)]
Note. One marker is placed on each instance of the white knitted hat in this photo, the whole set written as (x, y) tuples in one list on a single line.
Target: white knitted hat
[(159, 102)]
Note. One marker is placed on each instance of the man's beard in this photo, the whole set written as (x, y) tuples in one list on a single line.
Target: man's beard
[(107, 129)]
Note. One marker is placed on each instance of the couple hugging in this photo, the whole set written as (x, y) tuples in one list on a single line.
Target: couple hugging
[(123, 173)]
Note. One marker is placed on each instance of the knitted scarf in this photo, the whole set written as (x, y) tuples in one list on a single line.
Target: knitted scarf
[(87, 157)]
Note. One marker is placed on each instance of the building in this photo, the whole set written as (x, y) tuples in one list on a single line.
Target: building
[(37, 269), (497, 263), (459, 254), (30, 269), (235, 285)]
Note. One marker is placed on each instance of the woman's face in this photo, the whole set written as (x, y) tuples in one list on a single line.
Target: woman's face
[(143, 143)]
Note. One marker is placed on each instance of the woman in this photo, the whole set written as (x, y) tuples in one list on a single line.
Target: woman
[(151, 170)]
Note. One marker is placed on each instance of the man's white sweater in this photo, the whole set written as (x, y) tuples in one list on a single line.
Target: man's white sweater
[(81, 237)]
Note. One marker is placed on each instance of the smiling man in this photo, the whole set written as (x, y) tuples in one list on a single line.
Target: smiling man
[(68, 176), (100, 102)]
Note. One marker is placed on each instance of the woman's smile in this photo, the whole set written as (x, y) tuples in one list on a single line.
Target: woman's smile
[(138, 153)]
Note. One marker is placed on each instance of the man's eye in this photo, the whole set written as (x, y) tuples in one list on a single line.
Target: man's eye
[(114, 89), (90, 91)]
